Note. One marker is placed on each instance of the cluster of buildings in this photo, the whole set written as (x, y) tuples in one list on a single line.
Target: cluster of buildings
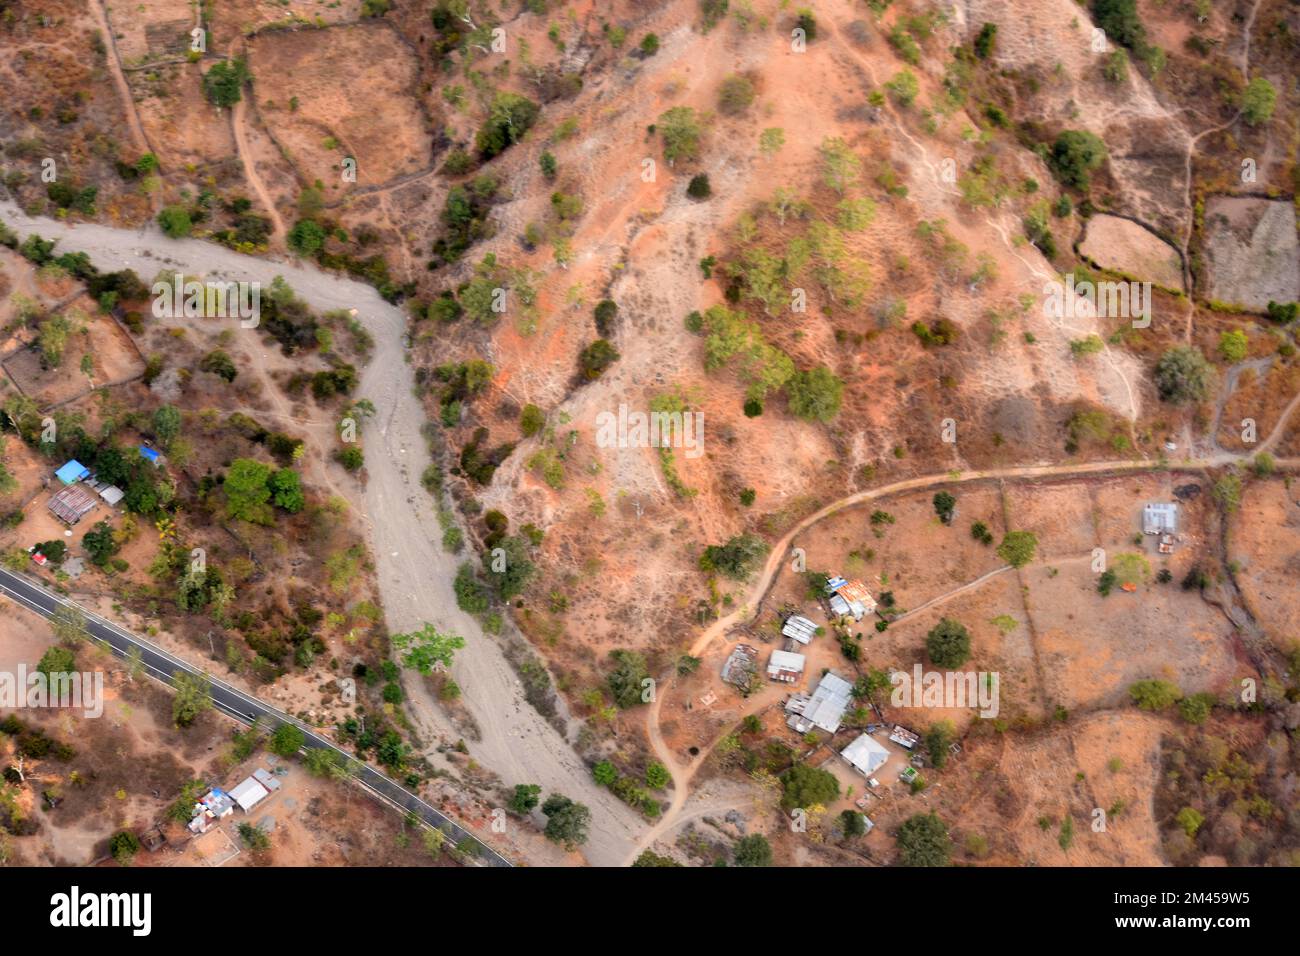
[(786, 664), (217, 804), (82, 491), (823, 707), (1160, 518)]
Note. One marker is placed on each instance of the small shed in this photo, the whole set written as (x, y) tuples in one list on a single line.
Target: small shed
[(111, 494), (740, 665), (799, 628), (785, 666), (150, 455), (266, 779), (1160, 517), (72, 472)]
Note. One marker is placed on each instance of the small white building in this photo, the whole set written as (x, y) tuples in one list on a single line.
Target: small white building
[(865, 755), (850, 598), (1160, 517), (785, 666), (248, 794)]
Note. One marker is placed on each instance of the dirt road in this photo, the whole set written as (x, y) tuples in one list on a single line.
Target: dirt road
[(415, 574)]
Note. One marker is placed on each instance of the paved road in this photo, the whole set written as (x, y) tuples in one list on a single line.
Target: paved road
[(230, 701)]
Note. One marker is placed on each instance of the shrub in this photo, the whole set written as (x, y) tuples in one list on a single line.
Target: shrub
[(735, 95), (1257, 101), (306, 237), (1017, 548), (1183, 375), (985, 40), (649, 44), (606, 310), (509, 118), (1233, 345), (1155, 694), (548, 164), (531, 420), (175, 221), (699, 187), (596, 358), (752, 850)]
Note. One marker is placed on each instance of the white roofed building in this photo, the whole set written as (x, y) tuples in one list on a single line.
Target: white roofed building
[(865, 755)]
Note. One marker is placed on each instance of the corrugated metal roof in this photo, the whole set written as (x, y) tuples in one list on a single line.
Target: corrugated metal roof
[(248, 794), (866, 755), (826, 707)]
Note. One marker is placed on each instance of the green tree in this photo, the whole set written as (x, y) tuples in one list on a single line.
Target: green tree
[(423, 648), (1074, 154), (657, 776), (1018, 547), (985, 40), (248, 491), (680, 128), (222, 83), (852, 823), (166, 424), (1190, 820), (923, 841), (193, 697), (604, 773), (1195, 708), (531, 420), (175, 221), (815, 395), (286, 490), (596, 358), (948, 643), (124, 845), (567, 822), (752, 850), (69, 625), (509, 118), (805, 786), (736, 558), (508, 567), (944, 506), (937, 741), (525, 798), (1257, 101), (306, 237), (627, 680), (57, 660), (287, 740)]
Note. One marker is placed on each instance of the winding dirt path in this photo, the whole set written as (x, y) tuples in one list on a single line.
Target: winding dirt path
[(238, 122), (415, 574)]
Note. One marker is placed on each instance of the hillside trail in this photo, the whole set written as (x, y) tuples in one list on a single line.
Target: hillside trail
[(114, 62), (239, 127), (683, 776), (415, 574)]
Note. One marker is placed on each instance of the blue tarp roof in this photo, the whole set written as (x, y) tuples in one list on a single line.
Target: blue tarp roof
[(149, 453), (72, 472)]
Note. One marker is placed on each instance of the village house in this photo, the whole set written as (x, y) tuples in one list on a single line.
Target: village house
[(866, 755), (824, 709), (785, 666), (849, 598), (799, 628)]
